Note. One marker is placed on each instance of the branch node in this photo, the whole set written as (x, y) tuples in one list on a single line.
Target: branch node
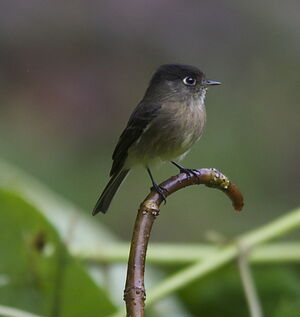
[(149, 206), (134, 291), (218, 180)]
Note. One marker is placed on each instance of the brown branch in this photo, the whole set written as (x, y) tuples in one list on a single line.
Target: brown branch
[(134, 294)]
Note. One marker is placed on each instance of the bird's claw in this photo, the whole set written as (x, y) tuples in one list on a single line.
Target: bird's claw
[(160, 190), (189, 171)]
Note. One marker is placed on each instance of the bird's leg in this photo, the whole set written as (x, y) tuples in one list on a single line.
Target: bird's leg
[(159, 189), (187, 171)]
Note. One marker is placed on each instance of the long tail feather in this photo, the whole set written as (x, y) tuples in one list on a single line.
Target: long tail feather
[(109, 191)]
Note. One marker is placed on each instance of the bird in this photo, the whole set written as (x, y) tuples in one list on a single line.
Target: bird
[(168, 120)]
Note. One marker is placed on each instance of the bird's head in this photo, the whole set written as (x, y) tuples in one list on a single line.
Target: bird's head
[(178, 81)]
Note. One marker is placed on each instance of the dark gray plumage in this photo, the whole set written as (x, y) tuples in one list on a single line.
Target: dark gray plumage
[(165, 124)]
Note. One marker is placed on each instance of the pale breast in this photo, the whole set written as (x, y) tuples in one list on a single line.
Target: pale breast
[(177, 127)]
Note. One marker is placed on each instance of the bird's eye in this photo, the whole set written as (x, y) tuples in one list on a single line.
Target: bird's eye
[(190, 81)]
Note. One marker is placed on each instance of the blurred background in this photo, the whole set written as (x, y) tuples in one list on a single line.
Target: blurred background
[(71, 73)]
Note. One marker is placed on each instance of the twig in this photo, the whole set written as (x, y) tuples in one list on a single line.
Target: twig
[(274, 229), (134, 294), (219, 258), (248, 283), (177, 253)]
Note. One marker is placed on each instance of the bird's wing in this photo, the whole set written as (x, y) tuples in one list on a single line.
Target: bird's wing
[(138, 121)]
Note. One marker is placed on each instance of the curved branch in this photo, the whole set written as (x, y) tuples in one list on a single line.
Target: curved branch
[(134, 294)]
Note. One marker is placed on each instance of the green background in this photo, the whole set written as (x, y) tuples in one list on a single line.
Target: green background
[(71, 72)]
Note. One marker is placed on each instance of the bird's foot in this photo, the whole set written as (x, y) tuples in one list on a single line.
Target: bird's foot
[(160, 190), (189, 171)]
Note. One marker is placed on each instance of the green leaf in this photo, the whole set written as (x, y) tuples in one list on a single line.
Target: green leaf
[(36, 272), (86, 233)]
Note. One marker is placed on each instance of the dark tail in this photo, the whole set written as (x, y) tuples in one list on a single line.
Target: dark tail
[(109, 192)]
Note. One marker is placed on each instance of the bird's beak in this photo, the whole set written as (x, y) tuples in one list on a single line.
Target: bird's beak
[(209, 83)]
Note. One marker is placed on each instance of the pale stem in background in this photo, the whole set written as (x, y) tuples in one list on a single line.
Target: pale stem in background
[(248, 284)]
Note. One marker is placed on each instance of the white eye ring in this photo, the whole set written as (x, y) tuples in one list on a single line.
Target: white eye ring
[(189, 81)]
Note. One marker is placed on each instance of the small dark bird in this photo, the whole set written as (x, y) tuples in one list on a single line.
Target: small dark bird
[(165, 124)]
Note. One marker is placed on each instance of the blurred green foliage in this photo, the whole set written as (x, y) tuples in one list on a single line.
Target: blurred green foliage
[(70, 74), (38, 275), (277, 287), (40, 223)]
